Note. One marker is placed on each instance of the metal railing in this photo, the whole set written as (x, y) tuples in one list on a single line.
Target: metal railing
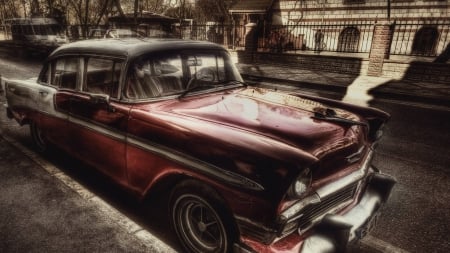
[(215, 32), (424, 38), (419, 38), (349, 37)]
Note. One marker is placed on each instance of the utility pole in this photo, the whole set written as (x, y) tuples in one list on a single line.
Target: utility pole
[(389, 10)]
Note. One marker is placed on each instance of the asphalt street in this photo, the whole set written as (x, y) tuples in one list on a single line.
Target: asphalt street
[(414, 150)]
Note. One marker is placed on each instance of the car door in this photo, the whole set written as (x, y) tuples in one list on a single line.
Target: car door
[(98, 119), (59, 79)]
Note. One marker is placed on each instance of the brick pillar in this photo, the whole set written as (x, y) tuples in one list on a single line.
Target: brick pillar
[(381, 45), (251, 41), (251, 44)]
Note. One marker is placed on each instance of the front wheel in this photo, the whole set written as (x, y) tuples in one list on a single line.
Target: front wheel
[(199, 219), (38, 138)]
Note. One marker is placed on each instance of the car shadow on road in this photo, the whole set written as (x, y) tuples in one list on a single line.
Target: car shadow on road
[(150, 214)]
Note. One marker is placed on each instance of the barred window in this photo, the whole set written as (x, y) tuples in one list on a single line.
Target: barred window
[(348, 40), (425, 41)]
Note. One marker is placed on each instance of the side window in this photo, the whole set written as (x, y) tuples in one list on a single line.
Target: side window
[(66, 70), (45, 75), (208, 67), (102, 76), (155, 76)]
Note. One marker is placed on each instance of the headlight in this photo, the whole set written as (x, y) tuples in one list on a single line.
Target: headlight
[(300, 185), (375, 129)]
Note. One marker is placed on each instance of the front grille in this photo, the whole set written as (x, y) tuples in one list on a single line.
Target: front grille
[(313, 212)]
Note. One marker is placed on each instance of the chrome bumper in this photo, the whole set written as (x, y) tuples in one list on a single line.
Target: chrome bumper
[(335, 231)]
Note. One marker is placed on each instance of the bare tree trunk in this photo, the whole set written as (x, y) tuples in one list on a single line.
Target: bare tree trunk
[(119, 7), (102, 12), (35, 8), (136, 5), (86, 16)]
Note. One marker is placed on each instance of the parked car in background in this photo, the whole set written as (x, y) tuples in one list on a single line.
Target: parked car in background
[(246, 169), (123, 33), (97, 33), (35, 34)]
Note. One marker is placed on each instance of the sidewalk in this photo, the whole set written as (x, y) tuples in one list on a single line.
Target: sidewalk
[(41, 214), (352, 88)]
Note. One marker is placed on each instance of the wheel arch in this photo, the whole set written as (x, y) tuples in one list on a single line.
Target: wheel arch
[(214, 198), (169, 182)]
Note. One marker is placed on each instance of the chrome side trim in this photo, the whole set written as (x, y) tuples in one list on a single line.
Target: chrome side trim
[(195, 164), (56, 114), (168, 153), (99, 129)]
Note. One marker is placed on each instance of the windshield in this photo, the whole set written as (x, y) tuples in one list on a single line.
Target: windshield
[(171, 74)]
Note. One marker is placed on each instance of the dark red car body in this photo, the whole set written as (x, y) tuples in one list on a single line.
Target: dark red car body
[(245, 144)]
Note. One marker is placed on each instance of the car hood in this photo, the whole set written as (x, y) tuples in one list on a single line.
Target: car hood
[(288, 119)]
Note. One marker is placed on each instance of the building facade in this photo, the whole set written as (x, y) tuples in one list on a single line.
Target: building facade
[(420, 27), (394, 38)]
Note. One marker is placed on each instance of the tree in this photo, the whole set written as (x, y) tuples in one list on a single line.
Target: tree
[(8, 9), (181, 10), (212, 10)]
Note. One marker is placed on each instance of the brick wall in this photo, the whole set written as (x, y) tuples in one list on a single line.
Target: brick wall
[(396, 69), (335, 64), (417, 71)]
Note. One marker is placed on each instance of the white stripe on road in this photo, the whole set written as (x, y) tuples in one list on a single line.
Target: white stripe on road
[(149, 240)]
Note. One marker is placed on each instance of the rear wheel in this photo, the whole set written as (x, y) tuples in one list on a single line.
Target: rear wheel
[(38, 138), (199, 219)]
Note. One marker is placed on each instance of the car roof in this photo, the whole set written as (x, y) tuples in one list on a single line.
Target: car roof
[(130, 47)]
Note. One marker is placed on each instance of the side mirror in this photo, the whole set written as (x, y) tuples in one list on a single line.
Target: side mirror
[(101, 99)]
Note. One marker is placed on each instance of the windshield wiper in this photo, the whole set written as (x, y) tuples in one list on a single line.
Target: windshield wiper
[(331, 115), (219, 84), (195, 88), (233, 82)]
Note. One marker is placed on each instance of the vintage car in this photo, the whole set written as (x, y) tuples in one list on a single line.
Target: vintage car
[(245, 169)]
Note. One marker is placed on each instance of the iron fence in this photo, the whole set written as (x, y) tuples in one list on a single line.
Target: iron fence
[(210, 31), (349, 37), (419, 38), (424, 38), (352, 37)]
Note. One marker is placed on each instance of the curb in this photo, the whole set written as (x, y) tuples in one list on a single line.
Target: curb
[(147, 239)]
